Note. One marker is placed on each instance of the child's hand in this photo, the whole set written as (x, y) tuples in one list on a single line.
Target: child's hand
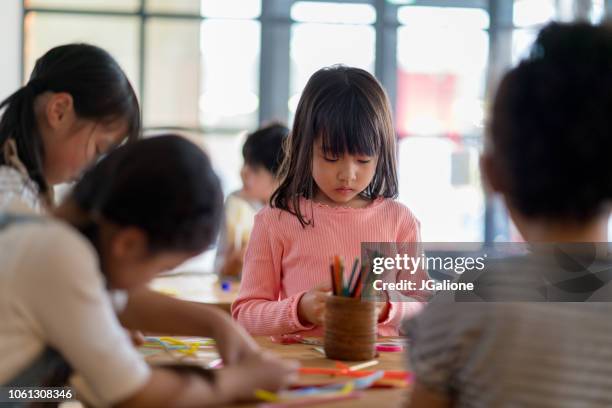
[(137, 337), (382, 311), (311, 309), (264, 371), (233, 342)]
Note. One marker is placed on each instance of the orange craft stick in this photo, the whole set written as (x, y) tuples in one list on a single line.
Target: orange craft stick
[(390, 374)]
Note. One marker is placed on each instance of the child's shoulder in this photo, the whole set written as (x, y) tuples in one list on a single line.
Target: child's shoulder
[(52, 239), (397, 209), (272, 215)]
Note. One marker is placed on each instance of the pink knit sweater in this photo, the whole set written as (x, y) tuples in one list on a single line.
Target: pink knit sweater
[(284, 260)]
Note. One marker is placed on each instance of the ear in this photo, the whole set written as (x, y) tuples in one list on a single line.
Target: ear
[(60, 110), (129, 243), (492, 177)]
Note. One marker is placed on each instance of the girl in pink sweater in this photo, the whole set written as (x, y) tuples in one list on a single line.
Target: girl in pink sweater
[(338, 181)]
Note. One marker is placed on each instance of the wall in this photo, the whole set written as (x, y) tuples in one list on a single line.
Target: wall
[(10, 44)]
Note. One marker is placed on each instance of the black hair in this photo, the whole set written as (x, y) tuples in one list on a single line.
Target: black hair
[(99, 89), (264, 147), (551, 130), (164, 185), (349, 110)]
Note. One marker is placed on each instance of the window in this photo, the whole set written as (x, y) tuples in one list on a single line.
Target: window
[(202, 66), (326, 34), (439, 117)]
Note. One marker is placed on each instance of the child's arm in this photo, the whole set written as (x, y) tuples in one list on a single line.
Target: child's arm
[(412, 303), (258, 307), (422, 396), (150, 311), (172, 388)]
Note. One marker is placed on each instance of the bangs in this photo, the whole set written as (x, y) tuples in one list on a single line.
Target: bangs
[(345, 124)]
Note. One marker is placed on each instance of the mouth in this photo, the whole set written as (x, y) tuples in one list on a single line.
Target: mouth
[(345, 190)]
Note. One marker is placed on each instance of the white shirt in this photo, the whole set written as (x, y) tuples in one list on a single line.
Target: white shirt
[(52, 293), (15, 186)]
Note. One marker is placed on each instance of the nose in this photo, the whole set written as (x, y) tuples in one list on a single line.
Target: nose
[(347, 171)]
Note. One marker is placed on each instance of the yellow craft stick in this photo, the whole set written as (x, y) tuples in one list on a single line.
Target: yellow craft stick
[(267, 396), (363, 365), (348, 387)]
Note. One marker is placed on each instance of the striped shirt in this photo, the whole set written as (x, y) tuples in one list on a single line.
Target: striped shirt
[(284, 260), (515, 354)]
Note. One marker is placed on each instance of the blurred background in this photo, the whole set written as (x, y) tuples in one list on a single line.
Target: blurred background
[(216, 69)]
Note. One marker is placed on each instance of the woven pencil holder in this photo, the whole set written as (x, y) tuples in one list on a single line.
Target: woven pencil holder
[(350, 329)]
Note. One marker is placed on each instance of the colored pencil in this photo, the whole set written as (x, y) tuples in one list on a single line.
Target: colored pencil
[(356, 290), (349, 286), (333, 278)]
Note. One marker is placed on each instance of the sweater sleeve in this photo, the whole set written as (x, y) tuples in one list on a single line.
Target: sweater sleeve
[(258, 308), (411, 302)]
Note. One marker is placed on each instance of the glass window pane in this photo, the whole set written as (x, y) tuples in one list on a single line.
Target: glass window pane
[(318, 12), (314, 46), (441, 92), (173, 6), (101, 5), (117, 35), (443, 17), (208, 8), (598, 11), (452, 177), (172, 76), (533, 12), (522, 40), (230, 73)]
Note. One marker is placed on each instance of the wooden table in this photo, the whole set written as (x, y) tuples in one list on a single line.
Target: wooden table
[(308, 357), (197, 287)]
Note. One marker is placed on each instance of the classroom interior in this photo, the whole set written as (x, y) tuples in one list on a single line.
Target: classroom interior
[(215, 70)]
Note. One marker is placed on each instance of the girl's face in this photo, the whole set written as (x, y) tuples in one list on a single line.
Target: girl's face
[(340, 179), (127, 261), (68, 153), (71, 143), (133, 273), (257, 183)]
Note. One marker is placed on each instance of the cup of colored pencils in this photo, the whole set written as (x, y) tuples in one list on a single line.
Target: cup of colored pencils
[(350, 323)]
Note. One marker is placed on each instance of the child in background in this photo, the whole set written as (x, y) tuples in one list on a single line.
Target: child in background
[(262, 153), (548, 154), (338, 184), (133, 220), (77, 105)]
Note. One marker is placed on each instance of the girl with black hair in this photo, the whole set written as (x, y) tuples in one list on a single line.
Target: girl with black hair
[(77, 105), (547, 153), (337, 190), (124, 222)]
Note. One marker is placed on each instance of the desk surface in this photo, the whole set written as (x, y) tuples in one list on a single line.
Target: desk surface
[(309, 357), (203, 288)]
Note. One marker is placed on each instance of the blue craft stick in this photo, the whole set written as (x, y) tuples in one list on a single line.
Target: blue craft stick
[(226, 286)]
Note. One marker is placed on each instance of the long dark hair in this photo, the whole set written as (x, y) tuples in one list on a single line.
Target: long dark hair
[(350, 111), (99, 89), (164, 185)]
